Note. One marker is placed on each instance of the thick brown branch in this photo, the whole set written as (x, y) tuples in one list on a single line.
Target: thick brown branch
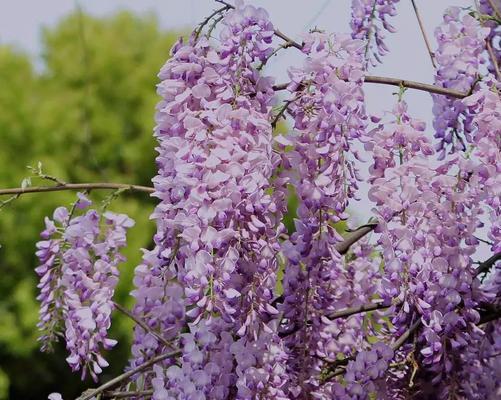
[(401, 82), (490, 315), (415, 85), (76, 186), (288, 40), (487, 264), (89, 394)]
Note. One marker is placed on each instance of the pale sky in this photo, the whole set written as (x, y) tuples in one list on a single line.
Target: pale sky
[(21, 22)]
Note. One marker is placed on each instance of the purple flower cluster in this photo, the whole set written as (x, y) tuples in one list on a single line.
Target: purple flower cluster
[(329, 115), (485, 106), (217, 224), (78, 274), (461, 42), (364, 374), (259, 314), (429, 216), (369, 21)]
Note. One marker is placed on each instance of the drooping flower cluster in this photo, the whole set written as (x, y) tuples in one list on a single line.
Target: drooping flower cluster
[(255, 313), (78, 273), (329, 115), (461, 42), (429, 216), (369, 21), (485, 106), (217, 223)]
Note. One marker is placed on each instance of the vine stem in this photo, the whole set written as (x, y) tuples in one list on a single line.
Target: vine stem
[(423, 32), (495, 8), (401, 82), (493, 59), (141, 323), (77, 186), (123, 395), (89, 394), (199, 29)]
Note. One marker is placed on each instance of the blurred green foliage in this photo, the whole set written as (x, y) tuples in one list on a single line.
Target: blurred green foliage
[(87, 115)]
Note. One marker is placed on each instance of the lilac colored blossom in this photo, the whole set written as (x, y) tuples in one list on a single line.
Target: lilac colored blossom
[(369, 21), (461, 42), (364, 374), (429, 216), (329, 115), (217, 225), (255, 311), (78, 270), (485, 105)]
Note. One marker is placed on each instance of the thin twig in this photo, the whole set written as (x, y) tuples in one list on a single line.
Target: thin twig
[(277, 33), (274, 52), (406, 335), (354, 237), (358, 310), (423, 32), (282, 110), (343, 247), (401, 82), (142, 324), (198, 30), (495, 8), (89, 394), (395, 346), (77, 186), (483, 241), (346, 312), (493, 59)]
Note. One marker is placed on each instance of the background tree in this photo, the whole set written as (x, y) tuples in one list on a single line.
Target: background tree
[(86, 114)]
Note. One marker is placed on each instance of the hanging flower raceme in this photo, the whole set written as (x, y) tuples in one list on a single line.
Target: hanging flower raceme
[(485, 106), (429, 216), (78, 257), (329, 114), (480, 377), (461, 42), (369, 21), (215, 263)]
